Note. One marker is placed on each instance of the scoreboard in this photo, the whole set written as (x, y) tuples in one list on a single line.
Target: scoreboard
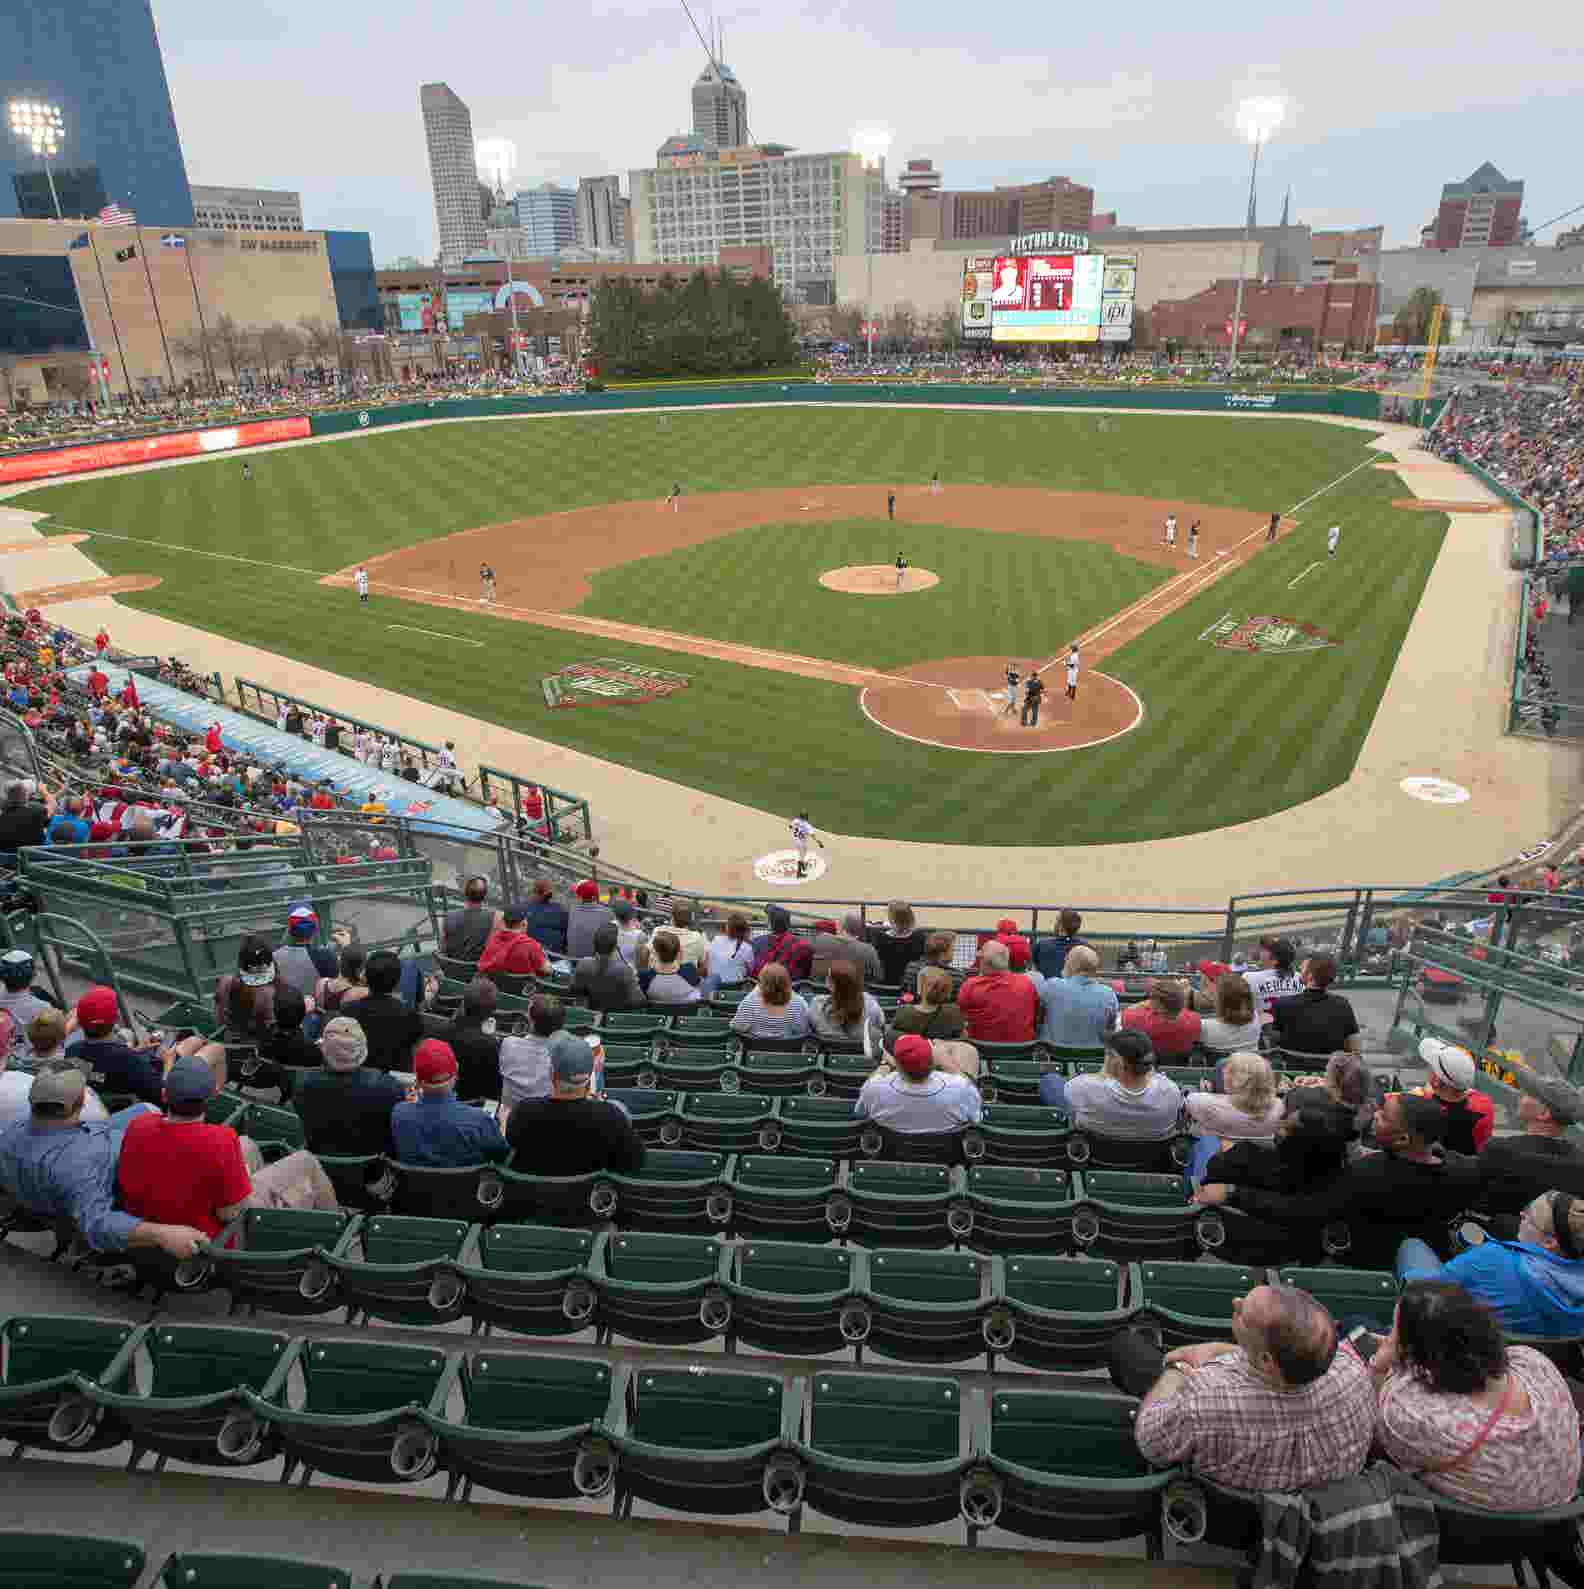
[(1049, 297)]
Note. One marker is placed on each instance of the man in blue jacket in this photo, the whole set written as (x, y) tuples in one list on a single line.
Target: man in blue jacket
[(437, 1129)]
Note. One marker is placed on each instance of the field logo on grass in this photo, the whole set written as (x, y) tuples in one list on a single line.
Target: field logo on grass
[(609, 682), (1267, 635), (780, 868)]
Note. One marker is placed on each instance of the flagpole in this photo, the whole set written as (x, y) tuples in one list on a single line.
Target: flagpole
[(148, 275), (115, 330), (214, 384)]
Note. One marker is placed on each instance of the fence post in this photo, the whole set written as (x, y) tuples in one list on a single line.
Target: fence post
[(1229, 936)]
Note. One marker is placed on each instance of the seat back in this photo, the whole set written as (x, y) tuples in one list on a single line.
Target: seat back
[(284, 1126), (1135, 1189), (1064, 1285), (699, 1031), (205, 1359), (893, 1180), (1370, 1292), (727, 1108), (641, 1258), (776, 1071), (1199, 1290), (680, 1166), (631, 1024), (905, 1276), (645, 1103), (891, 1418), (773, 1173), (344, 1378), (47, 1345), (504, 1390), (292, 1229), (794, 1268), (1074, 1433), (30, 1560), (235, 1569), (535, 1249), (400, 1239), (819, 1125), (704, 1409), (1013, 1184)]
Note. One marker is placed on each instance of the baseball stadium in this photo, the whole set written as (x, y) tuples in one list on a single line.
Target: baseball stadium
[(746, 667)]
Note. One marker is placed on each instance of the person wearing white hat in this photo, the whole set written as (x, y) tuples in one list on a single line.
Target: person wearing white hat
[(1470, 1116)]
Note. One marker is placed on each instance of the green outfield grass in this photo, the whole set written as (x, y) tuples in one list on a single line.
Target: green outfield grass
[(1227, 737)]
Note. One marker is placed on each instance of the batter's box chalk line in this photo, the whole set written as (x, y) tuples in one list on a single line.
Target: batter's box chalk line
[(971, 700)]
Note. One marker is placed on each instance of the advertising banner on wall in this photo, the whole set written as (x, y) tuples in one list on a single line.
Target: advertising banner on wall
[(978, 281), (1119, 284), (1046, 298), (459, 305), (416, 310), (149, 449)]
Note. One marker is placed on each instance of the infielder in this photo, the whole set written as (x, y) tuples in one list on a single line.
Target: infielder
[(1193, 540), (674, 501), (901, 568), (890, 504), (935, 485), (487, 582), (1171, 530), (802, 834), (1012, 677), (1270, 534), (1333, 535), (360, 579), (1072, 671)]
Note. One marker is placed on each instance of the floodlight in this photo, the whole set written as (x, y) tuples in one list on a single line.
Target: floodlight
[(1257, 119), (871, 144)]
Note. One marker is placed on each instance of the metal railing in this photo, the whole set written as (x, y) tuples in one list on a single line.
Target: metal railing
[(264, 702)]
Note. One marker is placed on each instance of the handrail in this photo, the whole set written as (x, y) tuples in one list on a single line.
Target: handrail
[(426, 751)]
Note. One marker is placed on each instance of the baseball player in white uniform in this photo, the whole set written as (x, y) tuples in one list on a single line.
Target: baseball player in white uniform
[(1072, 671), (1011, 689), (1171, 530), (802, 836), (901, 568), (1333, 535), (360, 579), (1193, 540)]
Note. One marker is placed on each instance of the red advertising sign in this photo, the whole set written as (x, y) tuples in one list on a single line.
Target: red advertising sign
[(1242, 327), (149, 449)]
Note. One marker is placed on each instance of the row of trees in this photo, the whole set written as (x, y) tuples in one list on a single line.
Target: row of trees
[(227, 348), (708, 324)]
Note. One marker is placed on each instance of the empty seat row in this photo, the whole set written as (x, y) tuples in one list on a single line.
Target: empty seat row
[(891, 1450)]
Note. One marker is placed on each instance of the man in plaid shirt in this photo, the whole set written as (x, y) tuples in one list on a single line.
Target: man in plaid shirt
[(1281, 1407)]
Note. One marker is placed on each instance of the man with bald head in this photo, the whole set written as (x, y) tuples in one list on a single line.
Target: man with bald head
[(1279, 1407)]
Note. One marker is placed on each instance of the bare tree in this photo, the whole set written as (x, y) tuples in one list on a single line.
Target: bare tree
[(8, 367), (321, 340), (235, 343), (902, 323), (279, 347)]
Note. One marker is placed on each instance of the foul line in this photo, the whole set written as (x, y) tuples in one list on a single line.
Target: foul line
[(411, 629), (1296, 577), (196, 551), (1216, 625)]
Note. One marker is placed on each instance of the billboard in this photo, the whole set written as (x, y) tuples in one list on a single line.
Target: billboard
[(1046, 298), (148, 449), (459, 305), (1119, 286), (978, 280), (416, 311)]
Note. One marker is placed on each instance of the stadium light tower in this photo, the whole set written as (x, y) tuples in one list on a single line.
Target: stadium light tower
[(1257, 120), (871, 145), (41, 127)]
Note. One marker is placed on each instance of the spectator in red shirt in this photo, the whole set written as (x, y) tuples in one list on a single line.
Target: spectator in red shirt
[(511, 948), (102, 641), (1164, 1019), (129, 694), (998, 1006), (99, 684), (213, 740), (321, 799), (1469, 1116), (783, 947), (179, 1165)]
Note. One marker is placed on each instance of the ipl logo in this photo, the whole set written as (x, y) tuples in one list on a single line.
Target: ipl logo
[(1272, 636), (609, 682), (780, 868)]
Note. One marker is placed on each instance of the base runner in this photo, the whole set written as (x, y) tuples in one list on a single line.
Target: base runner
[(1171, 530)]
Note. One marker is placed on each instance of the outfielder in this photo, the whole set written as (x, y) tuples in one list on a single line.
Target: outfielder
[(802, 834), (1333, 535), (247, 471), (1171, 530), (1012, 677), (901, 568), (360, 579), (1072, 671)]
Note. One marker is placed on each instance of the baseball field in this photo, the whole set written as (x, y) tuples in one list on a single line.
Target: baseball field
[(1189, 714)]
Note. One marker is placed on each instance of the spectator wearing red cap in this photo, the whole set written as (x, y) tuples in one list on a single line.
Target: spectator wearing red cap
[(999, 1007), (300, 962), (915, 1096), (111, 1065), (436, 1130), (511, 949), (585, 919), (1020, 960)]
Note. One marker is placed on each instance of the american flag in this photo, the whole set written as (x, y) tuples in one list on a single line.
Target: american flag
[(114, 215)]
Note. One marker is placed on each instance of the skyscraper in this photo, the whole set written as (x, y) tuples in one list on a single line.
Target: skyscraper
[(1484, 210), (601, 217), (99, 62), (548, 217), (453, 171), (720, 108)]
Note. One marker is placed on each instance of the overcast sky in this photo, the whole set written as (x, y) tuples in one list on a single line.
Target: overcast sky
[(1385, 102)]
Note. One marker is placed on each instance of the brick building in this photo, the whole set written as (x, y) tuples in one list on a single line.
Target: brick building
[(1332, 314), (1484, 210)]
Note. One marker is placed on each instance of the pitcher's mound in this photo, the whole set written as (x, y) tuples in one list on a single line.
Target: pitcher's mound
[(877, 579), (966, 710)]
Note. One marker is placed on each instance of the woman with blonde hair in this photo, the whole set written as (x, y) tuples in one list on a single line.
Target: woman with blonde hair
[(1248, 1110), (772, 1010), (1234, 1024)]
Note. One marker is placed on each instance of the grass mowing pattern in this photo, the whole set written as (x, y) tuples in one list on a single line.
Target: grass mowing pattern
[(1007, 595), (1227, 737)]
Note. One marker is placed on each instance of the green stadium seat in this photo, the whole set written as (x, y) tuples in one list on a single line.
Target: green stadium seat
[(31, 1560), (693, 1070), (403, 1270), (845, 1074), (628, 1026), (1190, 1302), (1064, 1311), (783, 1195), (52, 1364), (283, 1262), (705, 1440), (930, 1307), (778, 1074), (360, 1413), (1548, 1541), (824, 1128), (1021, 1134), (265, 1124), (699, 1032), (235, 1569), (555, 1200), (533, 1426), (796, 1298), (677, 1191), (462, 971), (723, 1122), (1064, 1465), (531, 1279), (655, 1112), (1010, 1072), (365, 1182), (1369, 1293), (472, 1193), (1086, 1150), (626, 1062), (577, 1020), (883, 1450), (192, 1408), (1017, 1209), (1127, 1215), (225, 1109), (662, 1290), (876, 1142), (903, 1205)]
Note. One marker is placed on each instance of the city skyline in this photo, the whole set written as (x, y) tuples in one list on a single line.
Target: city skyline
[(1149, 130)]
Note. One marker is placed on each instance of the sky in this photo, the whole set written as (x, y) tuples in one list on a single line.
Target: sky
[(1384, 104)]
